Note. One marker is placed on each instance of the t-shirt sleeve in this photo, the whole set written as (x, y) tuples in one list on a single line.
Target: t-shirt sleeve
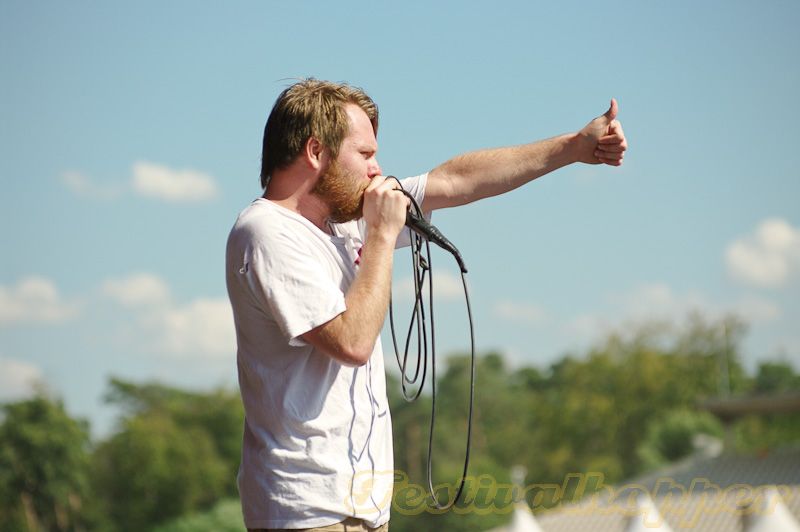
[(293, 287), (416, 187)]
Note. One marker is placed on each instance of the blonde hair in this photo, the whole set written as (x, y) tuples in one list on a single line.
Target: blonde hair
[(310, 108)]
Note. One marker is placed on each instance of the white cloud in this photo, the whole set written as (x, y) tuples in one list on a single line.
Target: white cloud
[(204, 326), (526, 313), (142, 289), (645, 304), (587, 327), (148, 179), (657, 301), (766, 257), (17, 379), (34, 299), (755, 309), (82, 186), (161, 182), (446, 286)]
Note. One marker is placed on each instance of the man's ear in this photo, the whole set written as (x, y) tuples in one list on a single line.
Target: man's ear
[(315, 153)]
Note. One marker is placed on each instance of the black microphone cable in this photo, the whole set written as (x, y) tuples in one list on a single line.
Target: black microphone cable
[(422, 272)]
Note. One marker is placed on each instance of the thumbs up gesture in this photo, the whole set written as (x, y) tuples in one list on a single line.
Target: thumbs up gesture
[(602, 140)]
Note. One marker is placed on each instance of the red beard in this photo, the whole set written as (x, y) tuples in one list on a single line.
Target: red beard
[(342, 192)]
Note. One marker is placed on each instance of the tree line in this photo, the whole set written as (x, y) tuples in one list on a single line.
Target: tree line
[(625, 406)]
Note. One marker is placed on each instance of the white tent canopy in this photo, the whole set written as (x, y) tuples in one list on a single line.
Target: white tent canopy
[(768, 513)]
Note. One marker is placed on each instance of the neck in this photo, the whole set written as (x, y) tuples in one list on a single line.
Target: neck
[(296, 195)]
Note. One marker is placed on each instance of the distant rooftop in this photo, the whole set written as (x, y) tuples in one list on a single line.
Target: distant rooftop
[(729, 409), (702, 494)]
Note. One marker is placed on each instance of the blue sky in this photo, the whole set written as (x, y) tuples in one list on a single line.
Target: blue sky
[(130, 139)]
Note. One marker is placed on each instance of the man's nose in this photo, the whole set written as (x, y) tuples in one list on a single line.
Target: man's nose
[(375, 169)]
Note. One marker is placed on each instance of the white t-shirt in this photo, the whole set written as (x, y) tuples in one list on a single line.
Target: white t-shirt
[(317, 442)]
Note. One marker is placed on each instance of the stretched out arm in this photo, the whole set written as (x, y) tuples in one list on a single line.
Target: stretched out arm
[(484, 173)]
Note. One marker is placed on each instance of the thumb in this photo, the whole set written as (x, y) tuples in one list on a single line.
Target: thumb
[(611, 114)]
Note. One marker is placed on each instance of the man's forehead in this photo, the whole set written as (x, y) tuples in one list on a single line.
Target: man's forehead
[(361, 132)]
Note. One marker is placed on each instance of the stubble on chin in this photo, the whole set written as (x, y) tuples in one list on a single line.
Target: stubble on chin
[(343, 193)]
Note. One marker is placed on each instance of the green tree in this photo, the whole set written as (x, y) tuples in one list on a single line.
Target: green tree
[(671, 437), (175, 452), (218, 413), (771, 430), (44, 462), (225, 516), (153, 470), (591, 414), (776, 377)]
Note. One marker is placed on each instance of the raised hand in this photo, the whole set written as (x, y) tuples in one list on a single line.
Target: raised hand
[(602, 140)]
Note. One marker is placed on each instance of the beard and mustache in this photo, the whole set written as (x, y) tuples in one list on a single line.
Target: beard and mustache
[(343, 192)]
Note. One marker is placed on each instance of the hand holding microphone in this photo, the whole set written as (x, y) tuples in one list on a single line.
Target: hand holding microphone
[(384, 209)]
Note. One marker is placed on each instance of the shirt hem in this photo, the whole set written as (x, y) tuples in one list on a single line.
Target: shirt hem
[(311, 523)]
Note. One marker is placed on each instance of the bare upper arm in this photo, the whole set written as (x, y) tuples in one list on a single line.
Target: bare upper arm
[(438, 191)]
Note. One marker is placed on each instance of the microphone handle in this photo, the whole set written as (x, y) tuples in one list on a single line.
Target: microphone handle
[(431, 233)]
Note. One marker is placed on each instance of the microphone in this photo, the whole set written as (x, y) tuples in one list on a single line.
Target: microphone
[(428, 231)]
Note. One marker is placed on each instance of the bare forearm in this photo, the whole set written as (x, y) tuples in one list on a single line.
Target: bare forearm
[(481, 174), (487, 173), (350, 336), (368, 297)]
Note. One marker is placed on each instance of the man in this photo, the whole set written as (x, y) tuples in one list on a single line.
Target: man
[(308, 270)]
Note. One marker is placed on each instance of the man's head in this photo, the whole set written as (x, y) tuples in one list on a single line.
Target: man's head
[(310, 108), (342, 181)]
